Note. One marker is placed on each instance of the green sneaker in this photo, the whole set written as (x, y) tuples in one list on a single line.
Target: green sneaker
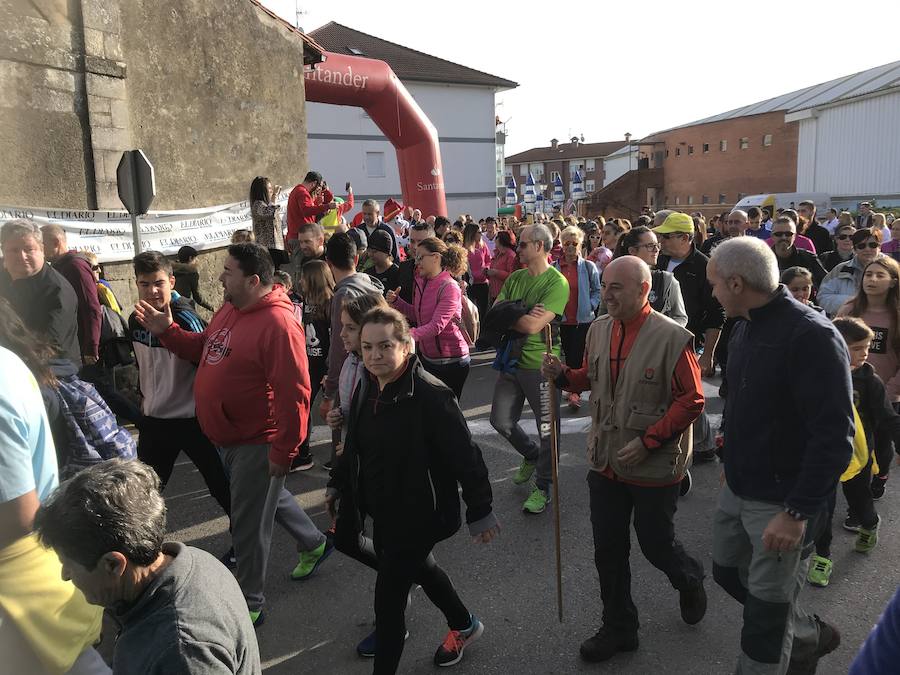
[(257, 618), (310, 561), (536, 502), (866, 539), (820, 571), (523, 475)]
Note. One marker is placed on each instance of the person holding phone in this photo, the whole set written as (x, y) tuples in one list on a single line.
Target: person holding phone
[(266, 218)]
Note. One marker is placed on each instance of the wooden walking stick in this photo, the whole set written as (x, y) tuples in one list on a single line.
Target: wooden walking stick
[(554, 447)]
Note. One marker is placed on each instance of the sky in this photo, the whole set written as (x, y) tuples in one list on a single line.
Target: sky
[(603, 68)]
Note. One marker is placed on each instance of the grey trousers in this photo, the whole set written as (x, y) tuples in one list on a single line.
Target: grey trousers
[(510, 394), (258, 500), (767, 583)]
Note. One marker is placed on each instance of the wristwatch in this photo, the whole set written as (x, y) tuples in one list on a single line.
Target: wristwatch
[(794, 513)]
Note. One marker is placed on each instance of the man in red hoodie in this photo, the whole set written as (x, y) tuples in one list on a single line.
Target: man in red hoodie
[(252, 400), (302, 206)]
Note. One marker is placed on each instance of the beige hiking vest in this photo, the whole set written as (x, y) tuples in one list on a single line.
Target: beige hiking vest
[(642, 395)]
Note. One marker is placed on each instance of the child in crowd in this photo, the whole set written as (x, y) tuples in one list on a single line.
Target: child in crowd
[(873, 411), (241, 236), (317, 289), (799, 282), (383, 266), (353, 369)]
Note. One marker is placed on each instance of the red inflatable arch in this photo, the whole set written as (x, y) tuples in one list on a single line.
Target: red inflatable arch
[(372, 85)]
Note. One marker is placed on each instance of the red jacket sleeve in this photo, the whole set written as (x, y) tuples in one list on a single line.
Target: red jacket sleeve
[(347, 205), (184, 344), (301, 208), (687, 402), (578, 378), (90, 315), (287, 372)]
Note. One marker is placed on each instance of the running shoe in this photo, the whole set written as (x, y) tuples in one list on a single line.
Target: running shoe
[(302, 463), (851, 524), (524, 473), (451, 651), (368, 646), (257, 618), (310, 560), (878, 485), (820, 571), (536, 502), (327, 465), (867, 538)]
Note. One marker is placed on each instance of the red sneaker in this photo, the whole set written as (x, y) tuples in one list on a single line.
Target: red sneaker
[(451, 651)]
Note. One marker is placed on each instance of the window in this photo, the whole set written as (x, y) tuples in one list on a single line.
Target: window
[(690, 199), (576, 166), (678, 152), (356, 51), (589, 165), (589, 185), (523, 170), (677, 201), (705, 199), (508, 171), (767, 140), (723, 146), (554, 175), (537, 170), (745, 143), (375, 164), (705, 148), (690, 149), (721, 198)]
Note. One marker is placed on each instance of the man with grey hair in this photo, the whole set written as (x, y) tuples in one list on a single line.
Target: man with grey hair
[(41, 296), (785, 448), (784, 234), (544, 291), (660, 217), (735, 225), (180, 610), (639, 448), (371, 212)]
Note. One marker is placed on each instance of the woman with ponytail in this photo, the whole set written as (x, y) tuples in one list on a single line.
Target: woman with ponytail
[(436, 310)]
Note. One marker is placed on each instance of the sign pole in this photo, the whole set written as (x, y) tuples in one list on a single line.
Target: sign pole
[(135, 226)]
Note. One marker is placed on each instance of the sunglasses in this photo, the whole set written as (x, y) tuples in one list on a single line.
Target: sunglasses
[(95, 268), (844, 237), (783, 234), (865, 245), (570, 244)]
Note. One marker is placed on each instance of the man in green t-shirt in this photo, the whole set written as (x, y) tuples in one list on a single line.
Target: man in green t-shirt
[(545, 291)]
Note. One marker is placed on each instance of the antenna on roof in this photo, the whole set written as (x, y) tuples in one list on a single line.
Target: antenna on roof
[(297, 14)]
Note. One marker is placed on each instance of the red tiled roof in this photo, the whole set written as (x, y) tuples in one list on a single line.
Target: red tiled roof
[(566, 151), (407, 64)]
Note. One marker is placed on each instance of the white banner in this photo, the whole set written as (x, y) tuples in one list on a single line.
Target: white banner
[(108, 233)]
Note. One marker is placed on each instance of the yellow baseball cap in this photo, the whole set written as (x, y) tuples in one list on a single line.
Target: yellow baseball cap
[(676, 222)]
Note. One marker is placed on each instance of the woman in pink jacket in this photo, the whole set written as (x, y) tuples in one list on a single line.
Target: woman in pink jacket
[(437, 312), (504, 263), (479, 256)]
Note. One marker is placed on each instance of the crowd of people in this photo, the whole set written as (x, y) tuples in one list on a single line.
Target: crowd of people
[(378, 319)]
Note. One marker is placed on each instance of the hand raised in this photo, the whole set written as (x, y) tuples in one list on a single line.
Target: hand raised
[(391, 296), (153, 320)]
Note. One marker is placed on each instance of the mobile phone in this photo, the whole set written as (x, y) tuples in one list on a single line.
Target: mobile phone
[(347, 187)]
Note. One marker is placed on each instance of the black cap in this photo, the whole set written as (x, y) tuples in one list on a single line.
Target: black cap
[(358, 235), (380, 241)]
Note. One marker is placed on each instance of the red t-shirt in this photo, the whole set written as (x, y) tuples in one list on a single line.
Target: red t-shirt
[(570, 272)]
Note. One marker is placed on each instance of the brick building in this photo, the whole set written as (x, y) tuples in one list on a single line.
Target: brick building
[(710, 164), (561, 159)]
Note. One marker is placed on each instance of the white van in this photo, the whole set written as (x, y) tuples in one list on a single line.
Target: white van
[(787, 200)]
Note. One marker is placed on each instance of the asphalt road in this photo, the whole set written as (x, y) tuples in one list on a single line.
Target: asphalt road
[(313, 626)]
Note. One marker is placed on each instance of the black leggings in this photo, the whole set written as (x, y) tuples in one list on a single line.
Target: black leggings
[(397, 571), (452, 374), (161, 440), (858, 493), (572, 338), (478, 293)]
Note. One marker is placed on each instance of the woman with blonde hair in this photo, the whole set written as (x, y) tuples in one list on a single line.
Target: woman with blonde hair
[(436, 310)]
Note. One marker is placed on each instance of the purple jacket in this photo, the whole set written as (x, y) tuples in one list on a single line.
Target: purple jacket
[(436, 310)]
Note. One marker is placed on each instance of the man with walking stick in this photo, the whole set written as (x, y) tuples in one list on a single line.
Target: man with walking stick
[(646, 392)]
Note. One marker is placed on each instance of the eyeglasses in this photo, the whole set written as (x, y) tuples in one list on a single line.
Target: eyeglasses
[(419, 257), (866, 244), (786, 235), (652, 246), (95, 268), (844, 237)]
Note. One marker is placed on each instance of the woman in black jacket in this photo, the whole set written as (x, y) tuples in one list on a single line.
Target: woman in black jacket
[(407, 449)]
